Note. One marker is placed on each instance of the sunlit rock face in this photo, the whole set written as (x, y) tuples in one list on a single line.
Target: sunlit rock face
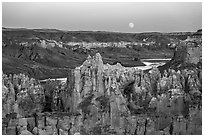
[(99, 82), (112, 94)]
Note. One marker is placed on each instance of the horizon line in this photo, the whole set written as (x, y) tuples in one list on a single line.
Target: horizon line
[(95, 30)]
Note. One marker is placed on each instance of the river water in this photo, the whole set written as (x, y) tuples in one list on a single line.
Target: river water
[(152, 63)]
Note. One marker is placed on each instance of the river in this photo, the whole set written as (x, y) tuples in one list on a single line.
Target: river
[(148, 62)]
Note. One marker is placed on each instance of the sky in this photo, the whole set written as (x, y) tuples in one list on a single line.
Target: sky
[(110, 16)]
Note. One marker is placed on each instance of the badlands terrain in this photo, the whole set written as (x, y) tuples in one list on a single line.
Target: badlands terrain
[(116, 83), (47, 53)]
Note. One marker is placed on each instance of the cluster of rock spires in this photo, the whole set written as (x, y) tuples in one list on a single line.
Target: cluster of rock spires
[(107, 99), (19, 90), (129, 91)]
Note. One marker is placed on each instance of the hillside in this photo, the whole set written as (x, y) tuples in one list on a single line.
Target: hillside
[(51, 53)]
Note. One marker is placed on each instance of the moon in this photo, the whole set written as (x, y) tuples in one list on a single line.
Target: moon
[(131, 25)]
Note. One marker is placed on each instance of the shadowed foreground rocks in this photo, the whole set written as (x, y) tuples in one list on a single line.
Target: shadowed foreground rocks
[(106, 99)]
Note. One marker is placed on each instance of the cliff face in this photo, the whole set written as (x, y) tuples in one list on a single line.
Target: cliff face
[(110, 95), (187, 54)]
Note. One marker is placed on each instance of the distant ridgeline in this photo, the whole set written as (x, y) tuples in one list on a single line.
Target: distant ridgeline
[(91, 36)]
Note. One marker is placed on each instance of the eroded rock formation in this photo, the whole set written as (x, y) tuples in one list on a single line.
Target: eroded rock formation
[(188, 53), (22, 95), (129, 91), (108, 99)]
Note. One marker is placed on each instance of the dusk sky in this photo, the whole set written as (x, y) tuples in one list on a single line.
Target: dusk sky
[(120, 17)]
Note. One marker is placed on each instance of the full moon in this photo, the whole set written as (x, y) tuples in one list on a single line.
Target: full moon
[(131, 25)]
